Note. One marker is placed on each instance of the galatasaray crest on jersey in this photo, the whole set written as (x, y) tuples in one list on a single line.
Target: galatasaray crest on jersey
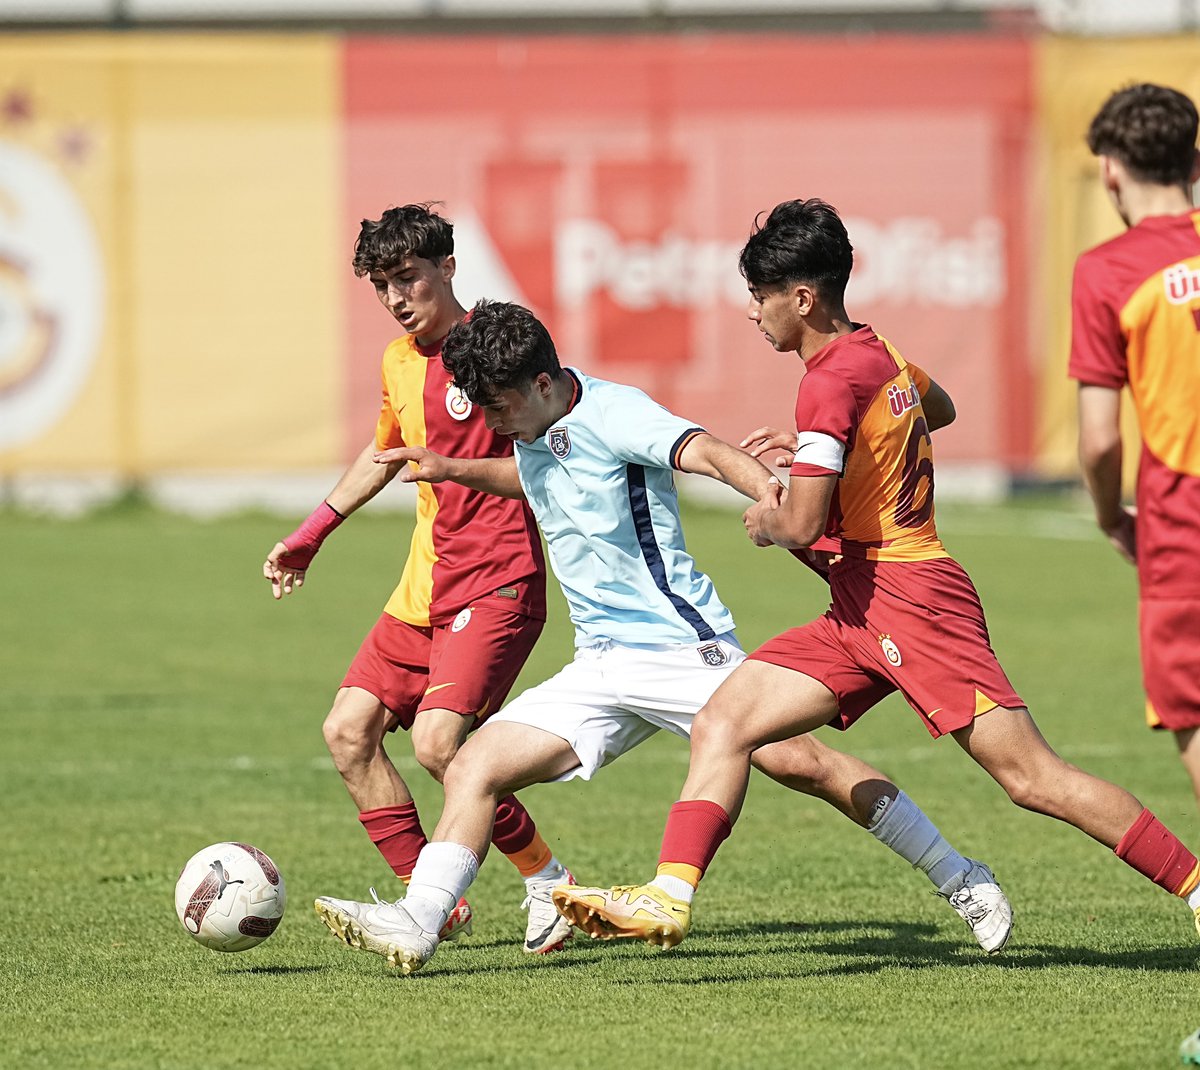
[(890, 650), (457, 403), (559, 442)]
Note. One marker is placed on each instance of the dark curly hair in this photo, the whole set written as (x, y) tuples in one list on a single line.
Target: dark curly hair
[(801, 241), (499, 346), (1151, 129), (414, 230)]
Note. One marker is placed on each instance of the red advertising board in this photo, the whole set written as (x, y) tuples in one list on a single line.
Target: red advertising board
[(609, 182)]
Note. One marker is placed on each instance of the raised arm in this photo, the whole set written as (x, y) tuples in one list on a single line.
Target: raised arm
[(492, 475), (795, 519), (706, 455)]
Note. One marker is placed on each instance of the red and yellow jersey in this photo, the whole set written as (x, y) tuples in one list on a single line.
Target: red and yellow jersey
[(858, 413), (467, 545), (1136, 319)]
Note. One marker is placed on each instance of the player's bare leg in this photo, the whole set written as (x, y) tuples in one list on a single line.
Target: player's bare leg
[(758, 704), (502, 758), (808, 766), (871, 800), (1188, 742), (766, 702), (1009, 746), (437, 737), (354, 731)]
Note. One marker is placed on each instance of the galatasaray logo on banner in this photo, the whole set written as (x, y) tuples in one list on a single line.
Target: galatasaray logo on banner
[(51, 282)]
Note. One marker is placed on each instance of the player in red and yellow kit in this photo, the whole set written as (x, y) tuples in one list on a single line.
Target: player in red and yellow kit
[(904, 615), (471, 602), (1136, 321)]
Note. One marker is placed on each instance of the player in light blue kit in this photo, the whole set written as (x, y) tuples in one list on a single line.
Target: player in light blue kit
[(596, 462)]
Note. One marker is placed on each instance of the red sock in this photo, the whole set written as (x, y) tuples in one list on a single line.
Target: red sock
[(396, 831), (514, 828), (694, 832), (1155, 852)]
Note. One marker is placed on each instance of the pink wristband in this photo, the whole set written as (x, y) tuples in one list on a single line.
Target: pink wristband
[(305, 541)]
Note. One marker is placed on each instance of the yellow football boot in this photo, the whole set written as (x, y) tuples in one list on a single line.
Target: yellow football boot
[(641, 912)]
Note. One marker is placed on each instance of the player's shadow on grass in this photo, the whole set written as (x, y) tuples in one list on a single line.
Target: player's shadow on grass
[(882, 945), (277, 971), (870, 946)]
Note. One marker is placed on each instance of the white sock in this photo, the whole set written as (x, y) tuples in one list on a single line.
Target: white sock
[(901, 825), (443, 872), (675, 886), (553, 870), (1193, 899)]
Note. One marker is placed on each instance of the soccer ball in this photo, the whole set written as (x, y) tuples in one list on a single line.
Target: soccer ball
[(230, 896), (1189, 1050)]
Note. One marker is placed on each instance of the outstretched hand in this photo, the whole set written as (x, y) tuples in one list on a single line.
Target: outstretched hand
[(764, 439), (283, 576), (421, 464)]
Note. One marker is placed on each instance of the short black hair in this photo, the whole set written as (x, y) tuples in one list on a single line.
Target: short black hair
[(801, 241), (1151, 129), (499, 346), (413, 230)]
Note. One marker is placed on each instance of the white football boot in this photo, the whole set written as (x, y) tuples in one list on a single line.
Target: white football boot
[(380, 927), (546, 930), (981, 903)]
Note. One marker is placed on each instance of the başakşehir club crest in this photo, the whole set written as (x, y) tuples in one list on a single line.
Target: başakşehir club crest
[(559, 442), (714, 655)]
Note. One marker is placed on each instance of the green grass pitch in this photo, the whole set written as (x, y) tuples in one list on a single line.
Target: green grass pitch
[(153, 699)]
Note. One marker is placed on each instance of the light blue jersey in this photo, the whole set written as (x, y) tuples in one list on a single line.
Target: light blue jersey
[(601, 483)]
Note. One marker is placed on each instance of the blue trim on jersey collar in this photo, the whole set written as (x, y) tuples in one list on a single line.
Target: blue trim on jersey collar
[(577, 397), (639, 503)]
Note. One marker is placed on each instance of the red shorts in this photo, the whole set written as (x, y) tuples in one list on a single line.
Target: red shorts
[(916, 627), (467, 667), (1170, 640)]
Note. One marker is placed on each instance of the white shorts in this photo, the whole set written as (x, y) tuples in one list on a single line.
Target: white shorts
[(613, 697)]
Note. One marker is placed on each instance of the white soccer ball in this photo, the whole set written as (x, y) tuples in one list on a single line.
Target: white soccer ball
[(230, 896)]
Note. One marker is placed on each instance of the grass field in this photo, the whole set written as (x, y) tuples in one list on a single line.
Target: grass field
[(153, 699)]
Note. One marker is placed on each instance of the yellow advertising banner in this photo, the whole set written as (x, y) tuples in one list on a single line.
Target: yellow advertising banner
[(187, 310), (177, 213), (1075, 77), (60, 390)]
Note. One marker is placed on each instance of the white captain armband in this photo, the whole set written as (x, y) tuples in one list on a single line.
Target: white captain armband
[(822, 451)]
